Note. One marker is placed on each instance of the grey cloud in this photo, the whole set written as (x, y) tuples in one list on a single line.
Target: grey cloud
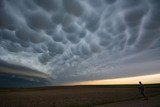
[(154, 3), (44, 58), (73, 7), (57, 36), (133, 17), (50, 5), (20, 76), (110, 1), (73, 38), (130, 4), (119, 26), (57, 18), (14, 47), (105, 38), (55, 48), (92, 22), (23, 34), (36, 37), (76, 40), (146, 40), (153, 19), (39, 21), (38, 49), (82, 33), (24, 44), (30, 5), (67, 20), (133, 35), (7, 35), (95, 47), (71, 28), (85, 50), (96, 3), (5, 20), (19, 69), (1, 3)]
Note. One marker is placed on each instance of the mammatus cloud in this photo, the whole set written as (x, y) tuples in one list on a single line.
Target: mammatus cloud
[(75, 40)]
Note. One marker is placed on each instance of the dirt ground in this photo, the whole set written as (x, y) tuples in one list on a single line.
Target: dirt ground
[(75, 96), (153, 101)]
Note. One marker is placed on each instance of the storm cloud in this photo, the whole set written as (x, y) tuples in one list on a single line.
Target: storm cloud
[(12, 75), (77, 40)]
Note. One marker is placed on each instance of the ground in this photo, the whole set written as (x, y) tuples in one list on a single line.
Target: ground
[(79, 96), (153, 101)]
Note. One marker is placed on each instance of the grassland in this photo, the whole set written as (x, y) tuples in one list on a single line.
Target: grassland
[(72, 96)]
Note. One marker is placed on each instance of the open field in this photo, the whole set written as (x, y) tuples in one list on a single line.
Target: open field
[(75, 96), (154, 101)]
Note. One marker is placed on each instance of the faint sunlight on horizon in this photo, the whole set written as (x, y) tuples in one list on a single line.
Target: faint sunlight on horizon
[(145, 79)]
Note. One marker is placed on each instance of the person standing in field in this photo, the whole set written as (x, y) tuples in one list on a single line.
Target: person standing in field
[(141, 90)]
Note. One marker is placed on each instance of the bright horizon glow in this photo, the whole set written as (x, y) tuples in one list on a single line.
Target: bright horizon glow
[(145, 79)]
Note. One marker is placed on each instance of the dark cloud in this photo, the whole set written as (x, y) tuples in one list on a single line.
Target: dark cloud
[(57, 18), (75, 40), (39, 20), (50, 5), (95, 3), (133, 17), (44, 58), (55, 48), (94, 47), (130, 4), (73, 7), (153, 19), (110, 1), (92, 22), (23, 34), (7, 35), (57, 36), (72, 28), (105, 38), (133, 35), (146, 40), (5, 20), (20, 76)]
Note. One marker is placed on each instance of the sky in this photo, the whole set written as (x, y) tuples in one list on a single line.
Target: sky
[(147, 79), (73, 41)]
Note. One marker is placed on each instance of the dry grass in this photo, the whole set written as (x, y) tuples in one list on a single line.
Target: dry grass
[(77, 96)]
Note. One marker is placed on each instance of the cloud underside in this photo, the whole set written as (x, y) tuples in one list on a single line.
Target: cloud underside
[(12, 75), (79, 40)]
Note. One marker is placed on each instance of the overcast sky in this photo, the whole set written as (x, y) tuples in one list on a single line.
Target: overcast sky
[(80, 40)]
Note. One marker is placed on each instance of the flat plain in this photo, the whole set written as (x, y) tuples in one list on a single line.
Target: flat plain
[(78, 96)]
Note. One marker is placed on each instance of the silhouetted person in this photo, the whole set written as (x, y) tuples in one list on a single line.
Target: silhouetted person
[(141, 90)]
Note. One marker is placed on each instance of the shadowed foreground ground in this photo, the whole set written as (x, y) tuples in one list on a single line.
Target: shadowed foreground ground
[(154, 101), (77, 96)]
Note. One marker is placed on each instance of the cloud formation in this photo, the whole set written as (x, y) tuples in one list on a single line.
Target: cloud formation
[(79, 40), (20, 76)]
